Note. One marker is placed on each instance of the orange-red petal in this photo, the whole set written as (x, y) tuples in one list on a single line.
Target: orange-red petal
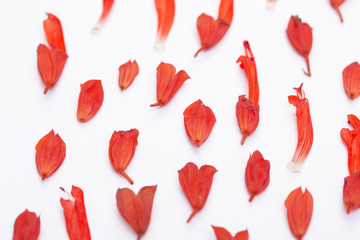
[(351, 192), (26, 226), (54, 32), (166, 13), (223, 234), (336, 4), (107, 5), (351, 80), (90, 100), (127, 73), (199, 121)]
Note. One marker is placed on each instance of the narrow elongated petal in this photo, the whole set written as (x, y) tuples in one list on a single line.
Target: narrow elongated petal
[(75, 215), (90, 100), (196, 184), (166, 12), (351, 192), (136, 209), (351, 138), (107, 5), (226, 10), (50, 65), (304, 129), (351, 80), (168, 83), (122, 149), (257, 176), (247, 63), (50, 154), (54, 32), (223, 234), (299, 207), (26, 226), (210, 31), (127, 73), (247, 115), (199, 121), (336, 5), (300, 37)]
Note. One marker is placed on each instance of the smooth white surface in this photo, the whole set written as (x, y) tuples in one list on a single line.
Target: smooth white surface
[(26, 115)]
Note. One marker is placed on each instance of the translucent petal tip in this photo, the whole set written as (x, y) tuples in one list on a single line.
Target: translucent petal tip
[(270, 5), (294, 167), (159, 46), (96, 28)]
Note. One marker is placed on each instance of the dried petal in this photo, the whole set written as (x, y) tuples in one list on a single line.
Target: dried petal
[(90, 100), (351, 193), (75, 215), (336, 4), (50, 65), (351, 80), (166, 12), (299, 207), (136, 209), (199, 121), (50, 154), (122, 149), (304, 128), (127, 73), (107, 5), (351, 139), (196, 184), (300, 36), (248, 64), (247, 116), (168, 83), (54, 32), (210, 31), (223, 234), (27, 226), (257, 174)]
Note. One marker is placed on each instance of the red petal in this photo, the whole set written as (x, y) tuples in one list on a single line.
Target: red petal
[(168, 83), (226, 10), (54, 32), (243, 235), (351, 80), (305, 130), (210, 31), (136, 209), (50, 154), (75, 215), (199, 121), (299, 207), (222, 233), (27, 226), (50, 65), (107, 5), (196, 184), (166, 12), (351, 192), (247, 115), (248, 64), (257, 174), (90, 100), (352, 142), (127, 73), (336, 4), (122, 149)]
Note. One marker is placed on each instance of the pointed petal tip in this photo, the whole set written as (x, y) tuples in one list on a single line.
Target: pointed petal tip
[(243, 139), (294, 167), (155, 104), (251, 197), (127, 177), (195, 211), (198, 51)]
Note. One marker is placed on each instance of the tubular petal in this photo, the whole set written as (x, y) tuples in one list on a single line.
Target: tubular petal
[(107, 5), (166, 12)]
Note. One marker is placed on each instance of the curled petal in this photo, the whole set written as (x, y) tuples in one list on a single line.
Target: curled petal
[(136, 209), (199, 121), (127, 73), (168, 83), (54, 32), (122, 149), (304, 129), (90, 100), (50, 154), (75, 215)]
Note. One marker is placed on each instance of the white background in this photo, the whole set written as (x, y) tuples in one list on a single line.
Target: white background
[(26, 115)]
